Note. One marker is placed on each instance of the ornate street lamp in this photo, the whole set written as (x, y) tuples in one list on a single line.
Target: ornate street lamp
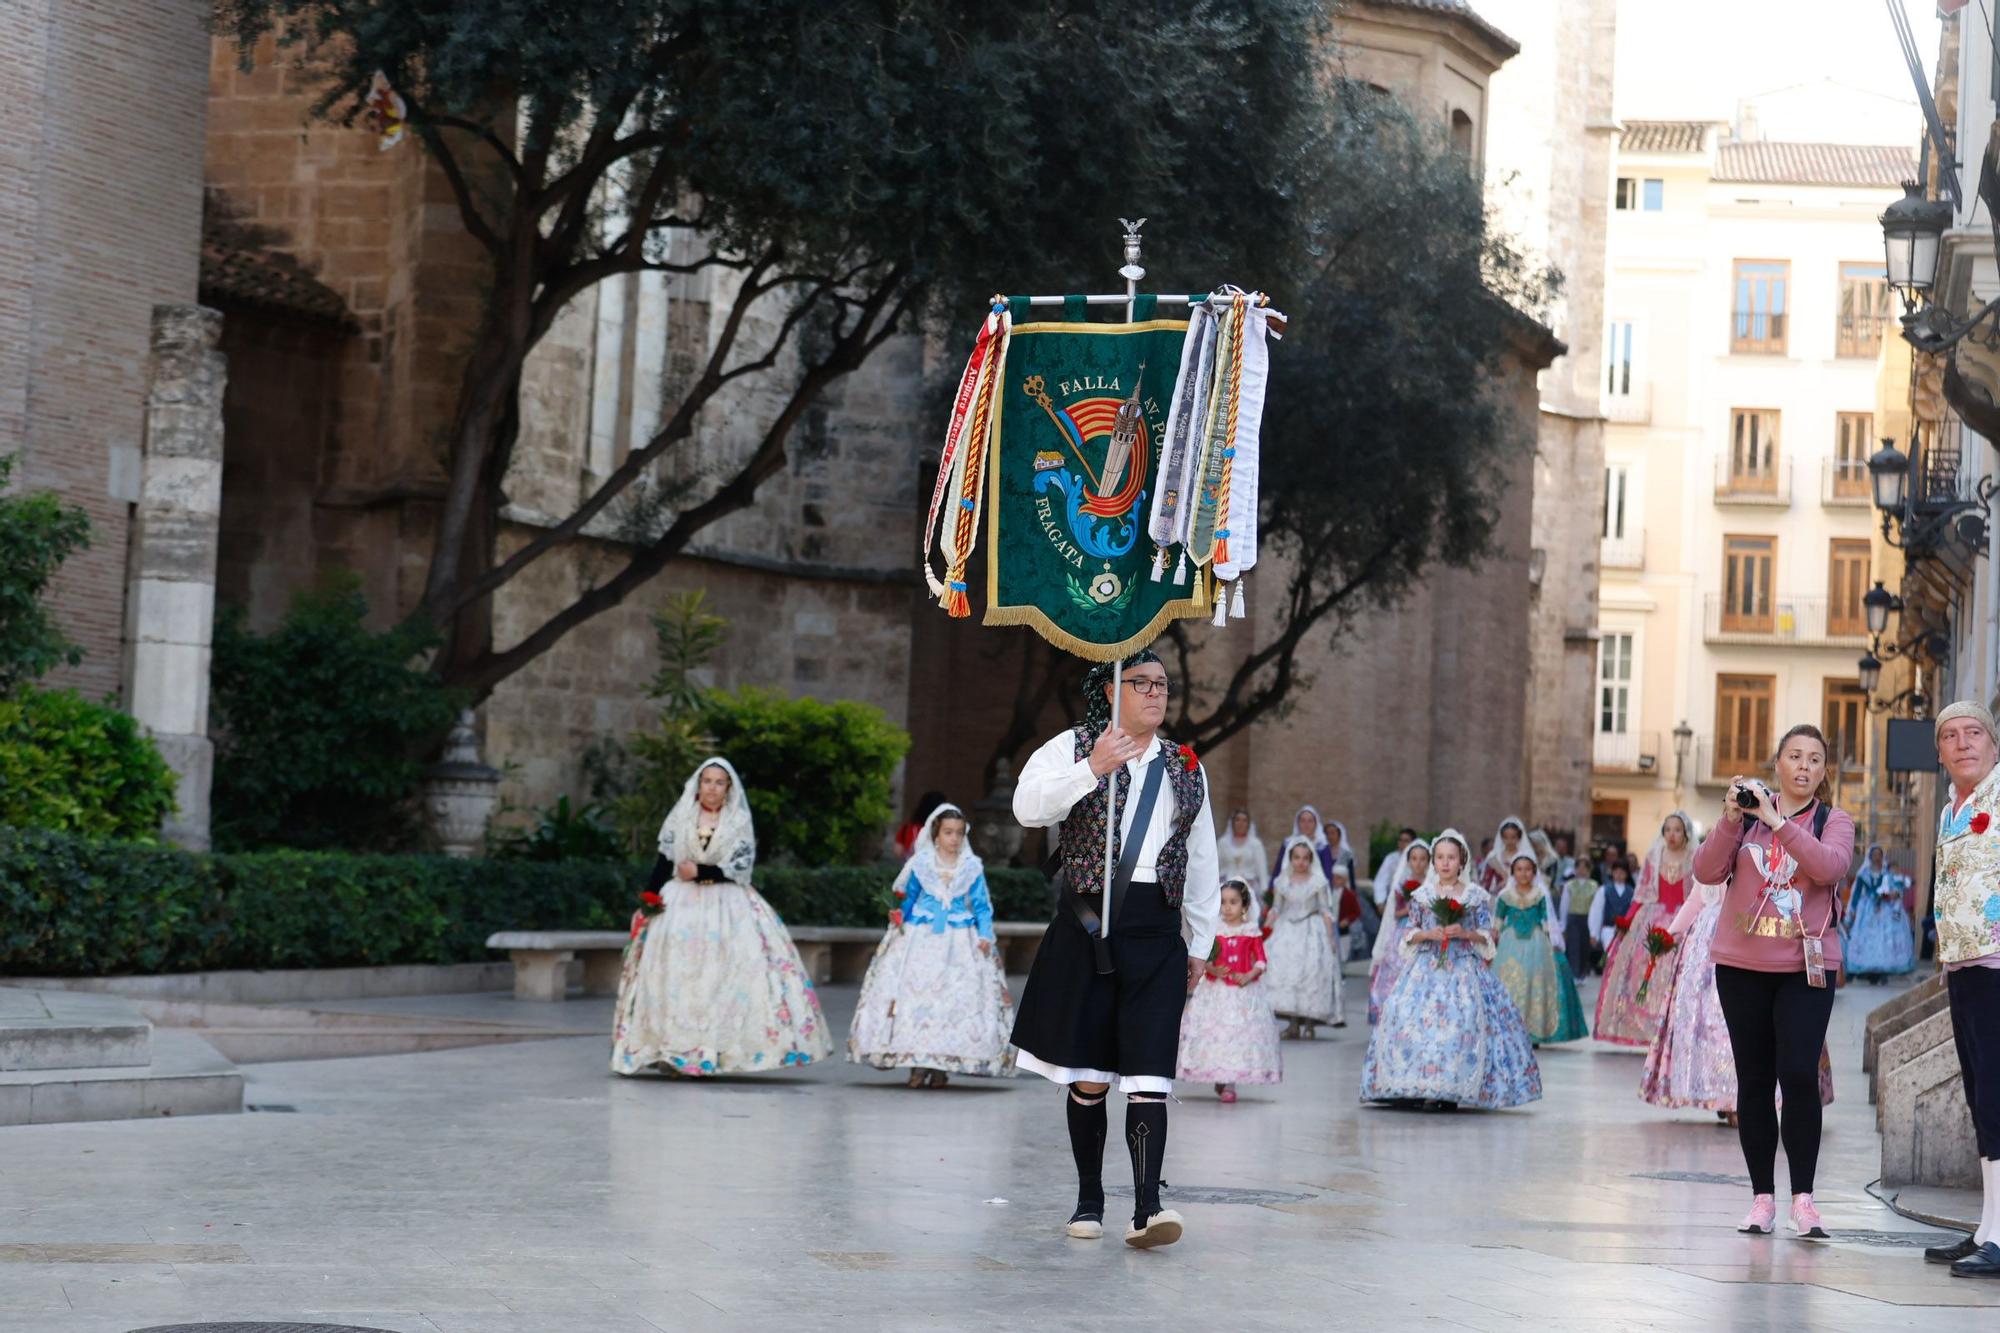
[(1878, 604), (1683, 738), (1869, 672), (1889, 472), (1911, 230)]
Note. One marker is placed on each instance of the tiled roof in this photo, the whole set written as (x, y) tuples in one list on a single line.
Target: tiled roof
[(1815, 163), (239, 269), (1459, 9), (1663, 136)]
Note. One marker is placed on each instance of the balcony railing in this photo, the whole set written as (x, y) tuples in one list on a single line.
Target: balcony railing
[(1626, 752), (1844, 482), (1768, 486), (1634, 408), (1626, 552), (1801, 622)]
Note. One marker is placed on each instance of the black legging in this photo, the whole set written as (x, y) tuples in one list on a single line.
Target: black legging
[(1777, 1025)]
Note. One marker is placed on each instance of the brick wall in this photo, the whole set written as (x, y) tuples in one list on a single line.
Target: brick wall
[(107, 226)]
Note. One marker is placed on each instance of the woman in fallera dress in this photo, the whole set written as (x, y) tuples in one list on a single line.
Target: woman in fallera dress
[(1663, 885), (1449, 1034), (1530, 959), (1390, 956), (934, 1000), (1304, 978), (712, 983), (1879, 942), (1240, 854), (1509, 841)]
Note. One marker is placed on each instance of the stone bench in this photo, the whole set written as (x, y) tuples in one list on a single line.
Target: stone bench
[(542, 958), (1885, 1020)]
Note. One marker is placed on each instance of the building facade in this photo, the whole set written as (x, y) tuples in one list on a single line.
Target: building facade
[(1745, 309)]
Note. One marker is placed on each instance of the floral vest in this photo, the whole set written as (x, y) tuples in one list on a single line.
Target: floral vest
[(1083, 827), (1968, 876)]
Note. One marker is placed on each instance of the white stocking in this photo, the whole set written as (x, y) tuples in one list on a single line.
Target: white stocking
[(1989, 1214)]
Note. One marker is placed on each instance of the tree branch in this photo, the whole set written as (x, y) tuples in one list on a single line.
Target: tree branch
[(484, 133), (739, 493), (461, 191)]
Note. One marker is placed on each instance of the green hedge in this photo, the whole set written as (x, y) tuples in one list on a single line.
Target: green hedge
[(72, 907), (81, 767)]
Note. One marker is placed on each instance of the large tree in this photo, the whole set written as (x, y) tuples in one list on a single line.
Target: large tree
[(1385, 441), (856, 166)]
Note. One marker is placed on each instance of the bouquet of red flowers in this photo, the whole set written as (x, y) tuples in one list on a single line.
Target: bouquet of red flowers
[(1408, 891), (650, 904), (1624, 923), (892, 901), (1449, 912), (1659, 943)]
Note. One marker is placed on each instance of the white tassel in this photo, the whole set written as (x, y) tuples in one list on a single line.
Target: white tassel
[(1159, 565), (1180, 570), (937, 589), (1236, 606), (1221, 606)]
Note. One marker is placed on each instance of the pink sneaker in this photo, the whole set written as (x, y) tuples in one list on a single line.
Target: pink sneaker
[(1228, 1094), (1762, 1218), (1805, 1219)]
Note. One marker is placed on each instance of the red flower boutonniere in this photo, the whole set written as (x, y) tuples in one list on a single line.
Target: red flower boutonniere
[(1188, 760), (1981, 821)]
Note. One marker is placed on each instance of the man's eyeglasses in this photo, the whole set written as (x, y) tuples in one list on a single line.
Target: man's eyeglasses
[(1148, 686)]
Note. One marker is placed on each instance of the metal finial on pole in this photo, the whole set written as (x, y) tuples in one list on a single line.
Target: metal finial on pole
[(1132, 271)]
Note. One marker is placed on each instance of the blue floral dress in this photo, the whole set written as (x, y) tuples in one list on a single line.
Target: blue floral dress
[(1449, 1032), (1877, 932)]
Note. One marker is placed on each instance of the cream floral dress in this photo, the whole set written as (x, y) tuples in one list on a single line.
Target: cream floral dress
[(712, 983)]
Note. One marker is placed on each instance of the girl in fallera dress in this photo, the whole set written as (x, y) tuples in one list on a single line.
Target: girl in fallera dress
[(712, 983), (1304, 978), (1449, 1034), (1876, 931), (1387, 964), (1239, 852), (1509, 841), (1663, 884), (1228, 1033), (934, 1000), (1530, 959)]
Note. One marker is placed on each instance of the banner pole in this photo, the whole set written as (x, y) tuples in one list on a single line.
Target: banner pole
[(1131, 272)]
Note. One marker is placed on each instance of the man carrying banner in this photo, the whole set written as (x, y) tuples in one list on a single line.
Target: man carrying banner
[(1103, 1002)]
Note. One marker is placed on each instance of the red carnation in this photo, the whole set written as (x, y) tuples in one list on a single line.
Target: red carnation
[(1188, 761), (652, 900), (1980, 822)]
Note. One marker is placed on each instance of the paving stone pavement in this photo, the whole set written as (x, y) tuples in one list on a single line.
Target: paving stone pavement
[(522, 1189)]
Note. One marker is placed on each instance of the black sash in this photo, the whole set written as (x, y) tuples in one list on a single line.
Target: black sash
[(1142, 821)]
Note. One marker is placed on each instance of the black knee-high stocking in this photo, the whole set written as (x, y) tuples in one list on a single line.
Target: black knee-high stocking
[(1146, 1136), (1087, 1127)]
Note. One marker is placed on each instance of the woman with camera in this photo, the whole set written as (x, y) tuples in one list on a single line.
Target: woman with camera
[(1782, 854)]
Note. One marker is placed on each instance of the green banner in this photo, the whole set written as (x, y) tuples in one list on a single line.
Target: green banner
[(1069, 492)]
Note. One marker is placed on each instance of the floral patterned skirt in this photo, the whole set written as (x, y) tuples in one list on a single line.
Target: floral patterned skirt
[(1229, 1035), (1690, 1062), (1304, 972), (1877, 937), (932, 1000), (1450, 1033), (1620, 1016), (1539, 982), (713, 985), (1389, 960)]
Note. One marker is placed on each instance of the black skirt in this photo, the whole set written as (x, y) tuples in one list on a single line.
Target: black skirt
[(1127, 1023)]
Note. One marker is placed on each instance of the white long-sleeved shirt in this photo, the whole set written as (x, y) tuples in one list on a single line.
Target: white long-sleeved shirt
[(1054, 780)]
